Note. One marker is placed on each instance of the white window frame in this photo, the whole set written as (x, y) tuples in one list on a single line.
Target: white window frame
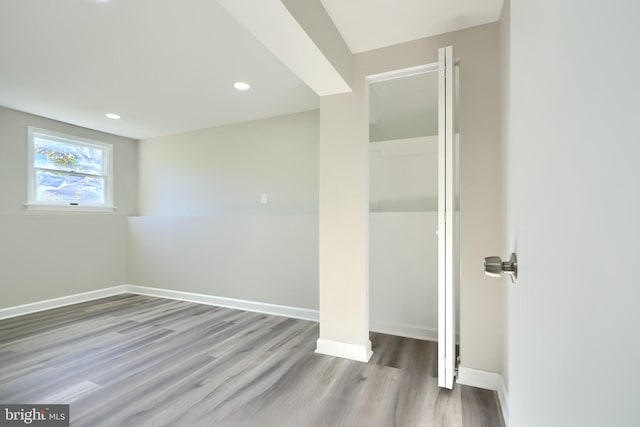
[(34, 204)]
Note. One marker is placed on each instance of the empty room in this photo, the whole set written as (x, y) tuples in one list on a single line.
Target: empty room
[(318, 213)]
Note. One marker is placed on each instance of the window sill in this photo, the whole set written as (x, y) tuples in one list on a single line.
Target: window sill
[(68, 208)]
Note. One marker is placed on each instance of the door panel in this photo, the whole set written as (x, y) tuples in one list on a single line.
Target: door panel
[(448, 264)]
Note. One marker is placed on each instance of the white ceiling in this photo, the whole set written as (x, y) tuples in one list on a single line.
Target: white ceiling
[(167, 66), (372, 24)]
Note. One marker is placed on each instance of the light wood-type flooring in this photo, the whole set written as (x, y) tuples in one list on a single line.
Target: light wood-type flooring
[(142, 361)]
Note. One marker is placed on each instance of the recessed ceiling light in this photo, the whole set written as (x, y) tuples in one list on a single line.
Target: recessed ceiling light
[(242, 85), (113, 116)]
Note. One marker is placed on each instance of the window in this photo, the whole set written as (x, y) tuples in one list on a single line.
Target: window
[(69, 173)]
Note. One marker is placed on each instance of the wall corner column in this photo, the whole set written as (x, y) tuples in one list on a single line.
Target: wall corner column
[(344, 228)]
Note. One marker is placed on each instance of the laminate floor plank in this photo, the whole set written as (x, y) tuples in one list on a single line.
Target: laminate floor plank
[(43, 321), (133, 360), (475, 408), (247, 378), (75, 355), (117, 407), (70, 393), (150, 373)]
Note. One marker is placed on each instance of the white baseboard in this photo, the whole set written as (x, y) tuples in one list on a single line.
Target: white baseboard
[(259, 307), (238, 304), (408, 331), (34, 307), (360, 353), (487, 380), (503, 396)]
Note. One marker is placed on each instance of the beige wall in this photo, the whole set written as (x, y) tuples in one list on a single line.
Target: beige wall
[(47, 255), (344, 194), (505, 30), (344, 226)]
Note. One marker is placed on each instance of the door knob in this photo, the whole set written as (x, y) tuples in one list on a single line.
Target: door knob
[(494, 266)]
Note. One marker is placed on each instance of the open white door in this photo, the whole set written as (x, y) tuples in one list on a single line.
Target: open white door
[(447, 217)]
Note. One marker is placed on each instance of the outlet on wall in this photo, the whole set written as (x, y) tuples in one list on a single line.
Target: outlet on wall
[(264, 199)]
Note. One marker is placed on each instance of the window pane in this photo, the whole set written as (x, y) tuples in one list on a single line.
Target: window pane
[(62, 186), (67, 157)]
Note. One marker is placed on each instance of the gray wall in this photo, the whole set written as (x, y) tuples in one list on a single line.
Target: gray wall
[(226, 169), (403, 175), (403, 274), (47, 255), (264, 258), (204, 228)]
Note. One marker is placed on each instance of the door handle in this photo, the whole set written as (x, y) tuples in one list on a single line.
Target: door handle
[(494, 266)]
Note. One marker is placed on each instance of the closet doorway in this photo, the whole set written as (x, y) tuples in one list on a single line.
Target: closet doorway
[(414, 206)]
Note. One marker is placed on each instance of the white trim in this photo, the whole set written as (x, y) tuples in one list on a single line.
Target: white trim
[(357, 352), (34, 307), (107, 173), (442, 264), (489, 381), (479, 378), (405, 72), (409, 331), (259, 307), (68, 207), (406, 147), (238, 304)]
